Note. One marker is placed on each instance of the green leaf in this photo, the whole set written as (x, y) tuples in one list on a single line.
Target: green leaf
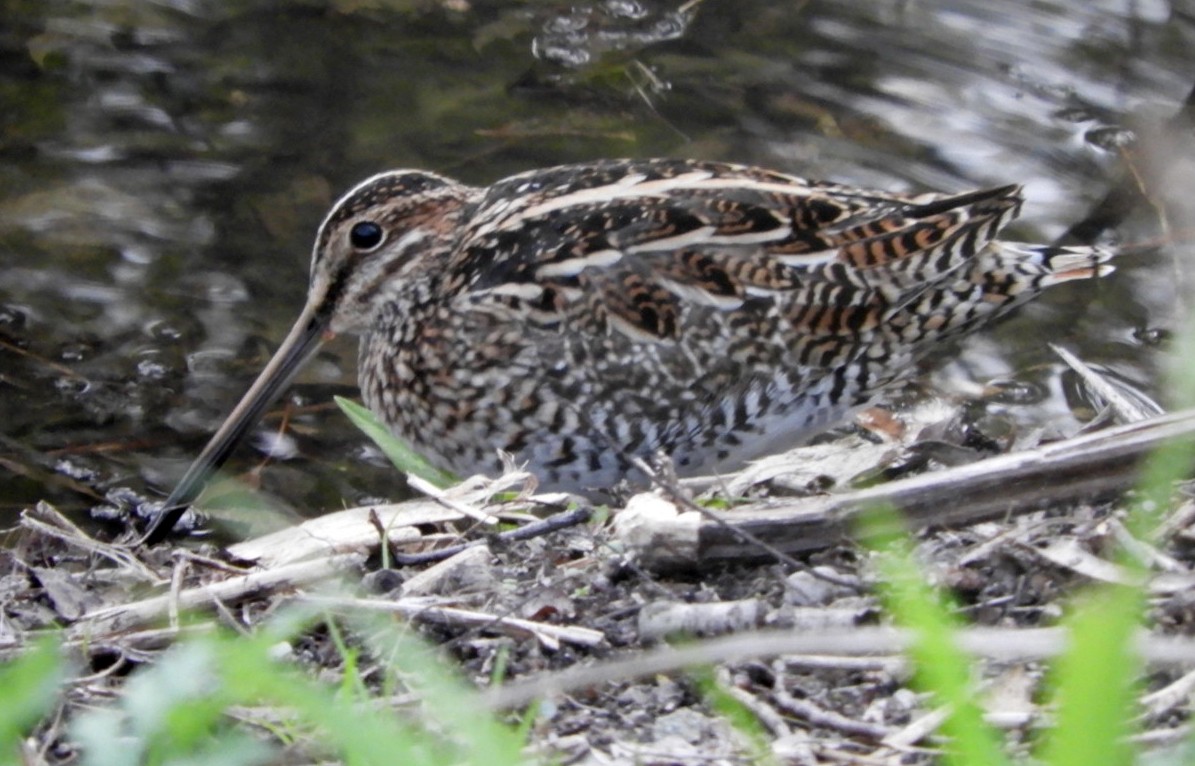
[(400, 453), (28, 690)]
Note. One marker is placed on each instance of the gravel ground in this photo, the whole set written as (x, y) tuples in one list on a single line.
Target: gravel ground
[(576, 599)]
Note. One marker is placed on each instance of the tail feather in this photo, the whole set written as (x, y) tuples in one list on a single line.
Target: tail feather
[(1066, 264), (1006, 275)]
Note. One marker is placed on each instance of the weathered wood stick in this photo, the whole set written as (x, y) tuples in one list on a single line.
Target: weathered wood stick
[(663, 536)]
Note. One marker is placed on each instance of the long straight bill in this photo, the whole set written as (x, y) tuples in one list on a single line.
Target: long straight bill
[(302, 341)]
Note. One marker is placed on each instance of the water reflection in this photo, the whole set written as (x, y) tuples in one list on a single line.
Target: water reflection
[(165, 165), (583, 33)]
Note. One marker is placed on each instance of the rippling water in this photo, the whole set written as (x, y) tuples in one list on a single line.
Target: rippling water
[(165, 166)]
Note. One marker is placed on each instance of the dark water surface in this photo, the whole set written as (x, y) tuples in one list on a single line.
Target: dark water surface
[(165, 164)]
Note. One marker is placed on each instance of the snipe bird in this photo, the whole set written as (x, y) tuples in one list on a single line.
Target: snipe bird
[(579, 316)]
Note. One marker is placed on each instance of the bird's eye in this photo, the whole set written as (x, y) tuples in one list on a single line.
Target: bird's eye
[(366, 235)]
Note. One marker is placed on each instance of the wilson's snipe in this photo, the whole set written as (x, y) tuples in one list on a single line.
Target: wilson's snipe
[(580, 315)]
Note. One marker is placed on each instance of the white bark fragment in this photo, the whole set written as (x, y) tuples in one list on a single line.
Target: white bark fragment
[(656, 533)]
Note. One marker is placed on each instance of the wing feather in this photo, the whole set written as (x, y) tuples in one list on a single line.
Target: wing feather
[(630, 247)]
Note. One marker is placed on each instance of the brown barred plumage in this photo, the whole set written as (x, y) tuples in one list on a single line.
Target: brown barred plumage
[(581, 315)]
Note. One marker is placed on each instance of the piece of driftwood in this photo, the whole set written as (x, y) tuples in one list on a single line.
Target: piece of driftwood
[(1124, 404), (662, 536), (349, 531), (918, 729), (359, 530), (806, 711), (557, 521), (139, 643), (424, 610), (873, 643), (137, 614), (660, 619), (45, 519), (758, 705), (469, 571)]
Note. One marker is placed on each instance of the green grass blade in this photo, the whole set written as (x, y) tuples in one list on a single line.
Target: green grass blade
[(180, 711), (1095, 682), (357, 735), (940, 666), (737, 714), (28, 690), (400, 453), (445, 697)]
